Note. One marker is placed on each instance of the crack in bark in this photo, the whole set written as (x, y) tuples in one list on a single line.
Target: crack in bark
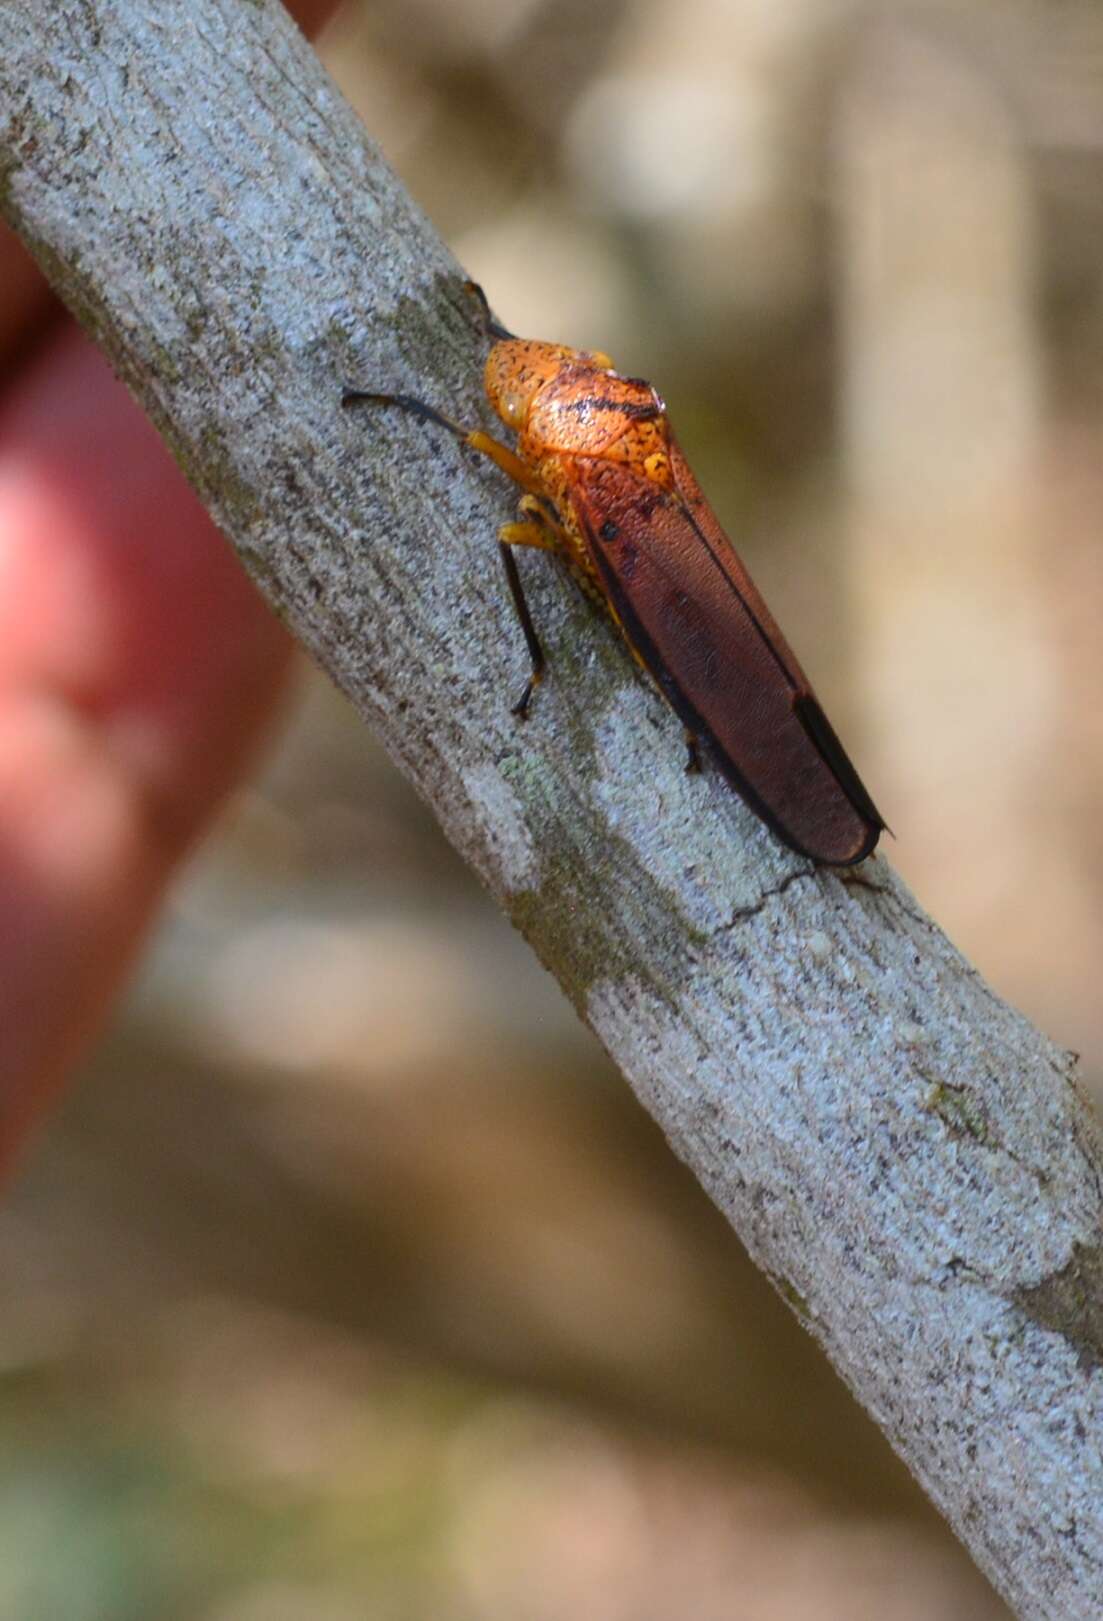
[(742, 913), (854, 880)]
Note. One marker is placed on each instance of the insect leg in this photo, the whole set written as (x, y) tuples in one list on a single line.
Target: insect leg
[(506, 459), (538, 528), (529, 532)]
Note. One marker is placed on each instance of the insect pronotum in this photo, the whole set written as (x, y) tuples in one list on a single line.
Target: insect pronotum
[(607, 487)]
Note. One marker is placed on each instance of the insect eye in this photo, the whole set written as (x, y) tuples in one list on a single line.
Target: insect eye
[(513, 409)]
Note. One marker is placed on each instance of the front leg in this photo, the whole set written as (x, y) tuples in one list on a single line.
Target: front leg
[(537, 529)]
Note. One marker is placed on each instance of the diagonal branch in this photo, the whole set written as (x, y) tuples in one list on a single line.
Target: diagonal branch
[(909, 1160)]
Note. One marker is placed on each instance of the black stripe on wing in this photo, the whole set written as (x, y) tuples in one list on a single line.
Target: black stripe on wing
[(824, 736), (805, 707)]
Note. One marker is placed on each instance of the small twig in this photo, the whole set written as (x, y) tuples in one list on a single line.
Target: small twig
[(905, 1155)]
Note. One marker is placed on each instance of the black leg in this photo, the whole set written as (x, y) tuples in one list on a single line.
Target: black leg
[(693, 756), (536, 652)]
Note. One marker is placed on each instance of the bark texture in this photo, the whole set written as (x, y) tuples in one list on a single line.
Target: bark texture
[(906, 1156)]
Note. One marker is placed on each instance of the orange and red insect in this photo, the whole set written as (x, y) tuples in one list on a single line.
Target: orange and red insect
[(608, 488)]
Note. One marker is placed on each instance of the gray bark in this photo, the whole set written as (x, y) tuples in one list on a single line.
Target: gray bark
[(907, 1158)]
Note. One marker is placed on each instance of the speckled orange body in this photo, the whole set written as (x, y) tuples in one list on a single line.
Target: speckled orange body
[(609, 485), (568, 404)]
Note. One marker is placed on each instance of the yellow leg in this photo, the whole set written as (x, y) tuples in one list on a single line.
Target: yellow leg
[(537, 527), (503, 457), (528, 534)]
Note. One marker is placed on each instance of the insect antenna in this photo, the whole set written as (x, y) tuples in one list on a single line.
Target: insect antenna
[(493, 328), (406, 402)]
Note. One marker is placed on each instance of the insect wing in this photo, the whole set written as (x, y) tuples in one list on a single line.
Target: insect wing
[(693, 614)]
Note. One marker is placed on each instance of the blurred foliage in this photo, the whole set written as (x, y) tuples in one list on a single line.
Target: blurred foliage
[(353, 1282)]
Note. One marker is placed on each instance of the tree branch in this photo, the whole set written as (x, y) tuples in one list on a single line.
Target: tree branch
[(908, 1159)]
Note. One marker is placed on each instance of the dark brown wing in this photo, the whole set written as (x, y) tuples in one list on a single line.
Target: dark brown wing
[(692, 612)]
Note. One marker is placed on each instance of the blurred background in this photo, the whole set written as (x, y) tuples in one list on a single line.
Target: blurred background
[(352, 1282)]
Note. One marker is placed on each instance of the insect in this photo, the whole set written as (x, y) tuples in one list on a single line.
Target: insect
[(607, 487)]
